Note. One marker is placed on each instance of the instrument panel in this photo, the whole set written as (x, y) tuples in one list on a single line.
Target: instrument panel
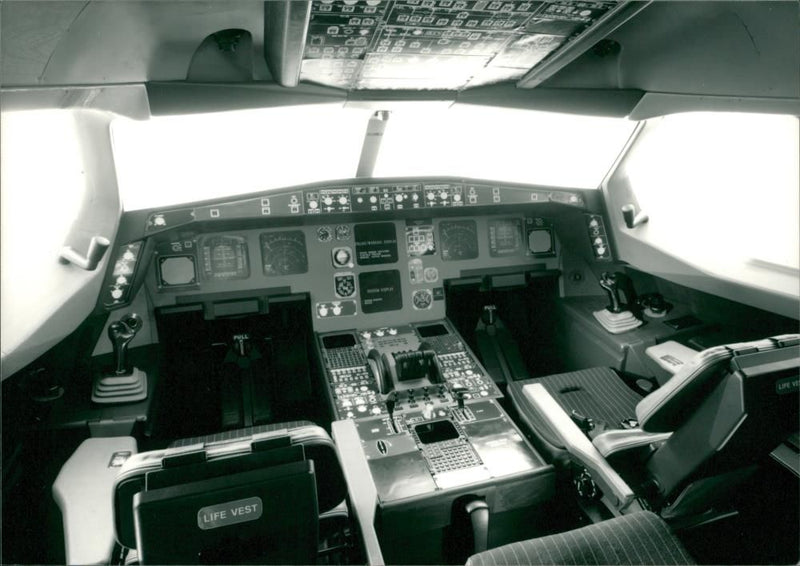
[(394, 269), (355, 273)]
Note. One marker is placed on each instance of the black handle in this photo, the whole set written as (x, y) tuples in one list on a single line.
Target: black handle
[(608, 281), (121, 333), (478, 511)]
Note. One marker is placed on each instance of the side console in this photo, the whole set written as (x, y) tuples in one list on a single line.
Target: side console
[(421, 366)]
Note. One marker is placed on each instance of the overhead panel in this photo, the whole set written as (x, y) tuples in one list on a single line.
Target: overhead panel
[(436, 44)]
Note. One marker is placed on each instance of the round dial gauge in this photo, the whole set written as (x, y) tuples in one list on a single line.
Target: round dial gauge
[(224, 257), (459, 240), (343, 232), (324, 234), (284, 253)]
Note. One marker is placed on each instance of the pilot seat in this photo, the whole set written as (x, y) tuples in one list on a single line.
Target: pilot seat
[(272, 494), (680, 450), (662, 461)]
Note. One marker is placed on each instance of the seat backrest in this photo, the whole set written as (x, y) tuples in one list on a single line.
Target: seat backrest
[(262, 516), (219, 477), (730, 406)]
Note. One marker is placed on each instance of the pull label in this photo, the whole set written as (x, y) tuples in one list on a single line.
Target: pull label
[(231, 513)]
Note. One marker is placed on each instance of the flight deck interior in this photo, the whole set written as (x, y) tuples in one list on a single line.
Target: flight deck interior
[(400, 282)]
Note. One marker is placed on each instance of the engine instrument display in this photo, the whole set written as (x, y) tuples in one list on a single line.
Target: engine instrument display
[(284, 253), (224, 257), (505, 237), (458, 239), (380, 291), (375, 243)]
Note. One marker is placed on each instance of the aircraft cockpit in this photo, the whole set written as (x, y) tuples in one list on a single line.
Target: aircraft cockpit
[(400, 282)]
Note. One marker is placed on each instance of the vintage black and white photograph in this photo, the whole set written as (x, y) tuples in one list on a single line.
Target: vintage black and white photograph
[(400, 282)]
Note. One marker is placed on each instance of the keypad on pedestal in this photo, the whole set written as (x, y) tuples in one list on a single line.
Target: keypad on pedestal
[(339, 358), (450, 455)]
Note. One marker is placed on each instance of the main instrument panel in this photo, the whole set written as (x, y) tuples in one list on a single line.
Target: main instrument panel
[(357, 274), (378, 251)]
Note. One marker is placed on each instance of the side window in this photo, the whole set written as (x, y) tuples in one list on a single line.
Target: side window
[(722, 194)]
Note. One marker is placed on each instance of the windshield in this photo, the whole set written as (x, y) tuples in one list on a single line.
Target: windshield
[(171, 160)]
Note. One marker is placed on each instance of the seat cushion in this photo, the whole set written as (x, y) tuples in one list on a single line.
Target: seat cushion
[(598, 393), (638, 538)]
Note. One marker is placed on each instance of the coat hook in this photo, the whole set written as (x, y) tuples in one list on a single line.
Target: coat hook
[(632, 219)]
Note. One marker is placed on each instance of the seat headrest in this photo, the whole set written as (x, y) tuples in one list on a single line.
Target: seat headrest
[(666, 408)]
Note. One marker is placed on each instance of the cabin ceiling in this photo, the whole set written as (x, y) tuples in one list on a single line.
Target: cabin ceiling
[(733, 49)]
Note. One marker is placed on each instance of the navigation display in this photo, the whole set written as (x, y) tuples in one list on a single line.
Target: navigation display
[(380, 291), (375, 243), (224, 257), (284, 253), (459, 240), (505, 237)]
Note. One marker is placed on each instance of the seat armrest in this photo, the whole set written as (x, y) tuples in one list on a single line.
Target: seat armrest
[(84, 491), (579, 446), (613, 441), (363, 494)]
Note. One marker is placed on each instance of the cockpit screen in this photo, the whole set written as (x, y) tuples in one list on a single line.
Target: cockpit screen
[(284, 253), (175, 271), (436, 431), (505, 237), (459, 240), (380, 291), (419, 240), (224, 257), (432, 330), (375, 243)]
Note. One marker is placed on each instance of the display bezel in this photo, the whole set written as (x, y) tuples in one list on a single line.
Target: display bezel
[(162, 281), (375, 243), (381, 291), (498, 247), (268, 237), (239, 244)]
